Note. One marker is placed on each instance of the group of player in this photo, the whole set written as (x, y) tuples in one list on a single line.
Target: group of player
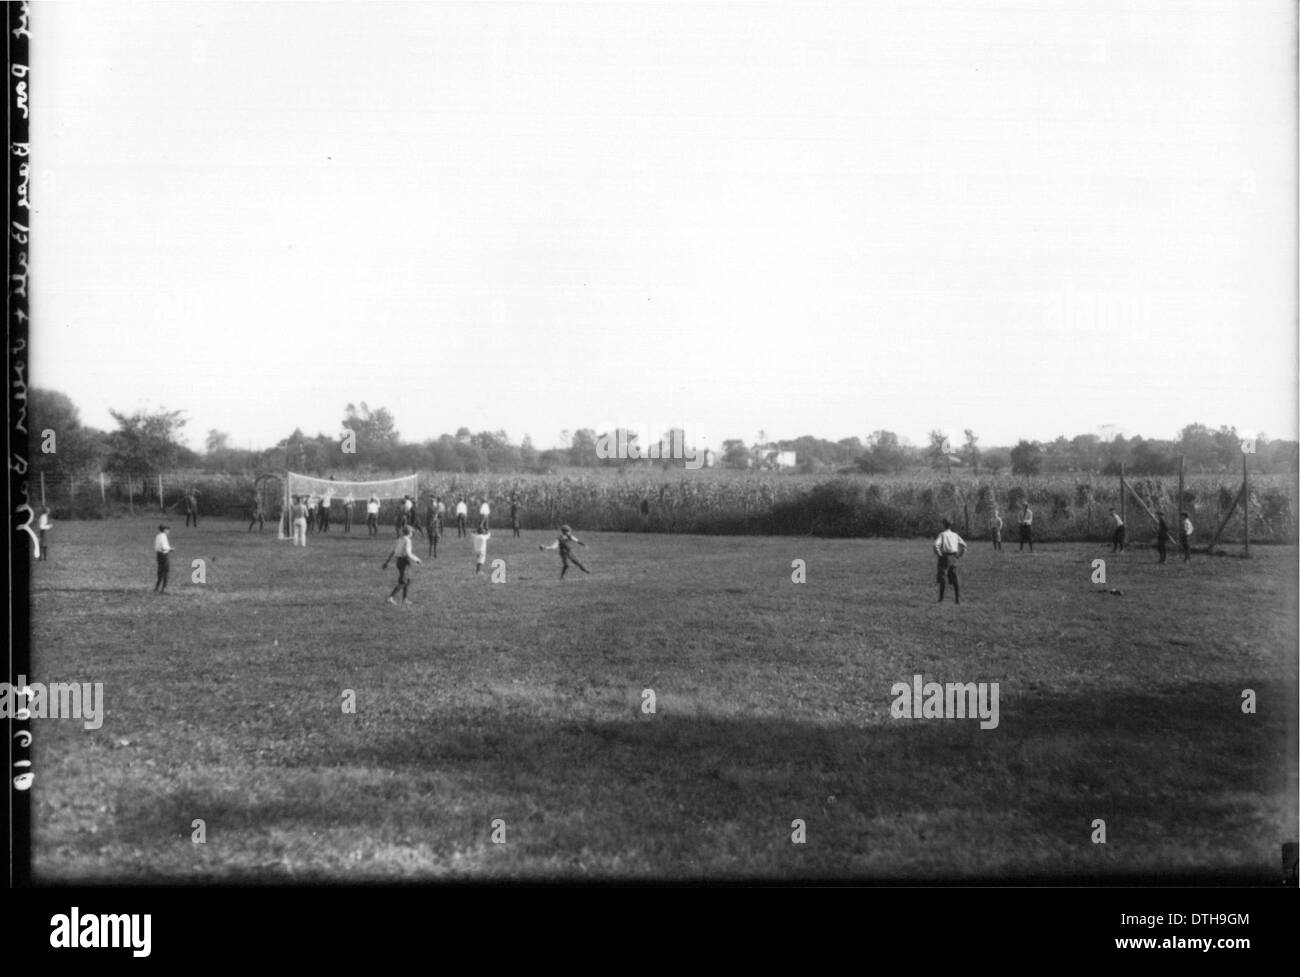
[(950, 547)]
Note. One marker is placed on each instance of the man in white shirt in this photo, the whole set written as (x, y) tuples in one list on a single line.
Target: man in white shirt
[(995, 528), (43, 527), (462, 510), (325, 501), (405, 557), (1026, 528), (162, 546), (949, 547), (372, 515), (348, 502), (1117, 535), (484, 512), (1185, 536)]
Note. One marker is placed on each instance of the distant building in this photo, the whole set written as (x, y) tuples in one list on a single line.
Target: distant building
[(773, 457)]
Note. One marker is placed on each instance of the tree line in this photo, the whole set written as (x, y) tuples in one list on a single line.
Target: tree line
[(368, 440)]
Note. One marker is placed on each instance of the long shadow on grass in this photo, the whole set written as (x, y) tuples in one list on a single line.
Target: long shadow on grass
[(1188, 786)]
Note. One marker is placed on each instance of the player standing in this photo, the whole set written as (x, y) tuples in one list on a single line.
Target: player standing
[(402, 553), (1162, 536), (514, 514), (484, 513), (433, 525), (995, 528), (1185, 536), (462, 510), (949, 548), (480, 540), (1117, 536), (565, 545), (43, 526), (256, 514), (298, 518), (1027, 528), (162, 547), (348, 502), (372, 515), (192, 507)]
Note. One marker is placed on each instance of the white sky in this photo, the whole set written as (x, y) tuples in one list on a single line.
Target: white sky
[(1029, 219)]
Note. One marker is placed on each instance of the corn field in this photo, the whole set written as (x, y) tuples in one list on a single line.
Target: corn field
[(745, 503)]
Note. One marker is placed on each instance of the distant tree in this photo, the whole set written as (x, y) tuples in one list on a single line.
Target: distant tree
[(216, 441), (74, 448), (734, 454), (1027, 458), (1196, 443), (527, 453), (996, 461), (971, 451), (373, 429), (937, 452), (145, 441), (1151, 458), (886, 452), (1085, 452), (582, 450)]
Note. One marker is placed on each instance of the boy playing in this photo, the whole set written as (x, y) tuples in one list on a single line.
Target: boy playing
[(995, 527), (402, 553), (480, 549), (565, 545)]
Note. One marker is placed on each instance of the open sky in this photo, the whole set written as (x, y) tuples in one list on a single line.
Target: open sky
[(1025, 218)]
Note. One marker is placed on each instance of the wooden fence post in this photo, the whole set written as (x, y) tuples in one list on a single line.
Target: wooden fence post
[(42, 490), (103, 498), (130, 494), (72, 496), (1123, 506), (161, 507), (1245, 501)]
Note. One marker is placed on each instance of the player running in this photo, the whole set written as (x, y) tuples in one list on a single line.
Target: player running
[(405, 557), (565, 545)]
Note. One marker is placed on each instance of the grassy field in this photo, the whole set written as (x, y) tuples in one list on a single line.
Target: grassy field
[(522, 701)]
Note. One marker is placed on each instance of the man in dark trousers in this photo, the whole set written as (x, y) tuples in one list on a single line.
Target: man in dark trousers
[(1117, 536), (1162, 536), (162, 547), (948, 547), (565, 545), (192, 507), (1027, 528)]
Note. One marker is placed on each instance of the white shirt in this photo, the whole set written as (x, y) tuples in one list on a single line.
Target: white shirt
[(372, 508), (461, 509), (948, 543), (1118, 521), (1187, 526), (1027, 517), (161, 544), (45, 522), (483, 510)]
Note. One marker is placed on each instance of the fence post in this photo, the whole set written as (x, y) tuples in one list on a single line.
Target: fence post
[(72, 497), (161, 507), (42, 490), (103, 499), (1245, 501), (1123, 502), (1181, 461), (130, 494)]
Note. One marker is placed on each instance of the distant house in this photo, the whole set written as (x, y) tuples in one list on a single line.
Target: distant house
[(773, 457)]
